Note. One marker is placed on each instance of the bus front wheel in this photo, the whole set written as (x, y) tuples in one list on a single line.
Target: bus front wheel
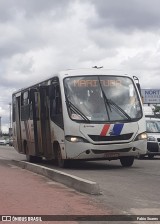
[(63, 163), (127, 161)]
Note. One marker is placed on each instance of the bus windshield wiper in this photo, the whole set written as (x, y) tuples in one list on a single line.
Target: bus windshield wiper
[(107, 104), (111, 102), (76, 110)]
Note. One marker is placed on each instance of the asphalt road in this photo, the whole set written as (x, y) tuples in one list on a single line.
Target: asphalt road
[(134, 190)]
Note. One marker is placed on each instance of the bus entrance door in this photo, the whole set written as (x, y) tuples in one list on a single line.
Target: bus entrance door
[(45, 122), (41, 121), (18, 124)]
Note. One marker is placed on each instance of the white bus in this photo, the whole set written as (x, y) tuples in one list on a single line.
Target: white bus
[(84, 114)]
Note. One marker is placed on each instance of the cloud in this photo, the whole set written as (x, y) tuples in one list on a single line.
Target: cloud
[(127, 16), (39, 39), (13, 9)]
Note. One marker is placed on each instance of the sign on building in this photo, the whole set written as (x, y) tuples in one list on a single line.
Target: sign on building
[(151, 96)]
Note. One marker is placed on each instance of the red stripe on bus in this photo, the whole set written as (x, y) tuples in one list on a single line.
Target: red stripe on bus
[(105, 129)]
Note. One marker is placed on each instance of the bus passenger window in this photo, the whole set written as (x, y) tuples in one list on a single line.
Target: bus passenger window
[(56, 107), (25, 107), (14, 109), (55, 103)]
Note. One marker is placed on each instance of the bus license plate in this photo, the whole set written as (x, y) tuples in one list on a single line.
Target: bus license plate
[(111, 154)]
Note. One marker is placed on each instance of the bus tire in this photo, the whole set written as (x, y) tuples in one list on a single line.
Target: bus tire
[(63, 163), (127, 161)]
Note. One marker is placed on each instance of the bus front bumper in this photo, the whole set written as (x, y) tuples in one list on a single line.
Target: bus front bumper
[(88, 151)]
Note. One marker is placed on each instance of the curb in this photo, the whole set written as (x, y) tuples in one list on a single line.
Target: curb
[(77, 183)]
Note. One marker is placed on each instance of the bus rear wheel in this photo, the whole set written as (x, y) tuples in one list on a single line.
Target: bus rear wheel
[(127, 161)]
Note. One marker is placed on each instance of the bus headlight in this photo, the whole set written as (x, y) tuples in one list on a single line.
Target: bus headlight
[(141, 136), (75, 139)]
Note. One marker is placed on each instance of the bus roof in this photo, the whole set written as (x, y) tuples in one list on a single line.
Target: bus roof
[(92, 71), (78, 72)]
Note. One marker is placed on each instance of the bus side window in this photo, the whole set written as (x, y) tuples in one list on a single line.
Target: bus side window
[(37, 105), (56, 106), (14, 109), (25, 107)]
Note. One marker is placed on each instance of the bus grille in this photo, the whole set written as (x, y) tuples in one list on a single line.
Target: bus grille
[(96, 151), (98, 138)]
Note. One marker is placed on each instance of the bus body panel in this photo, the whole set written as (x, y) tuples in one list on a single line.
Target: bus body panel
[(101, 131), (57, 136), (79, 150), (28, 136)]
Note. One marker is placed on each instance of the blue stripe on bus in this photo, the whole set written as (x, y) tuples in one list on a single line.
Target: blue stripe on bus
[(117, 129)]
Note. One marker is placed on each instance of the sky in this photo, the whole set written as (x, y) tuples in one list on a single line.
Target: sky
[(41, 37)]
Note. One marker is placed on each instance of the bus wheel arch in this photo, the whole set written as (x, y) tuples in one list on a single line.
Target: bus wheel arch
[(63, 163)]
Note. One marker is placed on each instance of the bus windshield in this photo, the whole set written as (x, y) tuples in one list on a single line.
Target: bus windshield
[(102, 98)]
